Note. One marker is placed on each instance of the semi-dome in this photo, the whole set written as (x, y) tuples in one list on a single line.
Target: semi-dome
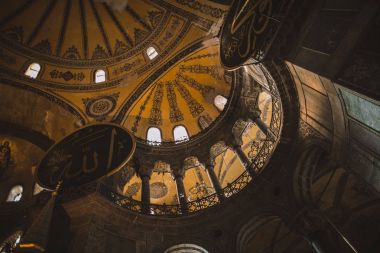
[(128, 65), (213, 165), (154, 68)]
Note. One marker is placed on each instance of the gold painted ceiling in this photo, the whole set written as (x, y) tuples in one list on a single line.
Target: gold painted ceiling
[(71, 39)]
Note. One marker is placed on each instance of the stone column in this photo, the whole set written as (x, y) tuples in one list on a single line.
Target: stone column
[(264, 128), (236, 142), (214, 179), (145, 194), (179, 173), (216, 150), (145, 174), (244, 159)]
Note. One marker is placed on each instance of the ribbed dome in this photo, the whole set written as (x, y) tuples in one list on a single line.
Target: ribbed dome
[(154, 68), (141, 66)]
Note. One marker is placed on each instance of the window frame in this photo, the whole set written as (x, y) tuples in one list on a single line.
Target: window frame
[(29, 70), (224, 106), (180, 140), (153, 143), (154, 53), (13, 200), (95, 76)]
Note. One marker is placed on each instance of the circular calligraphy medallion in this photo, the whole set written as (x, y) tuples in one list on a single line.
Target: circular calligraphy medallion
[(100, 107), (245, 32), (133, 189), (86, 155), (158, 190)]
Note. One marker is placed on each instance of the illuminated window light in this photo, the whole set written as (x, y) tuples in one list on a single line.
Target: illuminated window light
[(180, 134), (33, 70), (153, 136), (220, 102), (100, 76), (152, 53)]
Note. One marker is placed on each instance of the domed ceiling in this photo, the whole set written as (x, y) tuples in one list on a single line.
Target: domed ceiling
[(184, 95), (174, 85), (230, 171), (88, 32), (72, 39)]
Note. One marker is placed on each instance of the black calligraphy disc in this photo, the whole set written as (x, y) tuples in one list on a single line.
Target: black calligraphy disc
[(86, 155), (244, 34)]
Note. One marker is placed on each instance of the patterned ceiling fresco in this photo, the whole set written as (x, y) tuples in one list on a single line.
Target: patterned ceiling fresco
[(71, 39), (182, 96), (228, 166)]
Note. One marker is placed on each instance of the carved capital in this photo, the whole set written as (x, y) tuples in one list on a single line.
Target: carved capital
[(161, 167), (190, 162), (144, 172), (178, 171)]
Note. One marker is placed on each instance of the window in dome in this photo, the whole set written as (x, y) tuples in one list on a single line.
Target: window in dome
[(220, 102), (154, 136), (15, 194), (197, 183), (100, 76), (152, 53), (228, 167), (265, 105), (33, 70), (204, 121), (180, 134)]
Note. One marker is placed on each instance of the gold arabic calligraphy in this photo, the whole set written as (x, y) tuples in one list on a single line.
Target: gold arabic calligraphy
[(249, 21), (61, 163)]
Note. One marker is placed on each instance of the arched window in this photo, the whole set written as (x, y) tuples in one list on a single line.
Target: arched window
[(15, 194), (33, 70), (151, 52), (204, 121), (154, 136), (180, 134), (100, 76), (188, 248), (220, 102)]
